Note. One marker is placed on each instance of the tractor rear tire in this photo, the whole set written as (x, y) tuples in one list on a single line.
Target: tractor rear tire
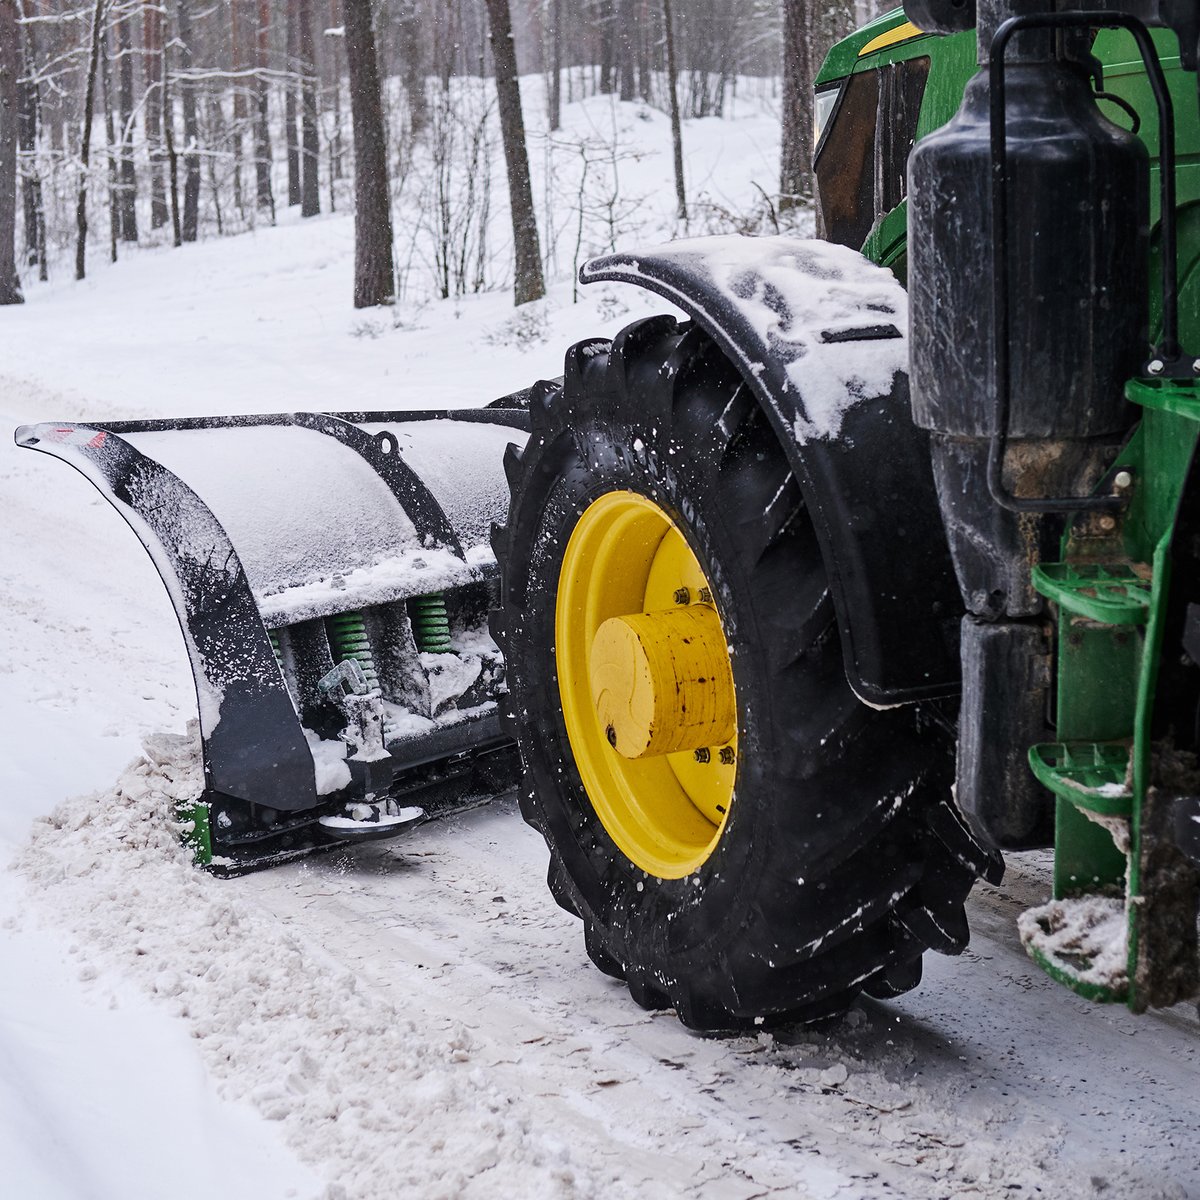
[(840, 858)]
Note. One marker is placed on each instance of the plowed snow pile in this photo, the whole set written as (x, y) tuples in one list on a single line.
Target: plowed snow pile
[(383, 1110)]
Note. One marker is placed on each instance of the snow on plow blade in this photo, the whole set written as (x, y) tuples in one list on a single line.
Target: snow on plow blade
[(332, 577)]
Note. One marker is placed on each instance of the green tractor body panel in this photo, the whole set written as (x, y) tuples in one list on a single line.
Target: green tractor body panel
[(1123, 603), (951, 63)]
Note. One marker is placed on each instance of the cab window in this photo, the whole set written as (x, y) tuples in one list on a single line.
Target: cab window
[(861, 162)]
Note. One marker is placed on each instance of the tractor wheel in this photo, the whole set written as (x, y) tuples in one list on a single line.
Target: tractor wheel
[(744, 840)]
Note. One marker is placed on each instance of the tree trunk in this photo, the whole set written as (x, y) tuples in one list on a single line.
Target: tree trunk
[(152, 27), (795, 172), (412, 64), (556, 65), (310, 149), (191, 127), (331, 85), (239, 57), (10, 69), (527, 281), (446, 29), (110, 144), (29, 121), (808, 32), (127, 191), (644, 58), (85, 141), (373, 271), (262, 127), (608, 20), (168, 124), (290, 115), (673, 96), (626, 32)]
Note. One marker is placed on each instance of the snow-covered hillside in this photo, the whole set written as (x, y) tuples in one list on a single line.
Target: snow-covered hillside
[(419, 1019)]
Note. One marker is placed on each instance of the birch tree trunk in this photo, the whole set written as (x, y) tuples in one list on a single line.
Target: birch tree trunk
[(527, 280)]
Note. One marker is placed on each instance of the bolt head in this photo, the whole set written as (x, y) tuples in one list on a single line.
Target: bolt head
[(1196, 366), (683, 596), (1123, 479), (1108, 524), (1156, 366)]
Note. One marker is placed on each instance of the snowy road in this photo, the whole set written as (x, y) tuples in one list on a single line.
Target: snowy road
[(987, 1080), (420, 1019)]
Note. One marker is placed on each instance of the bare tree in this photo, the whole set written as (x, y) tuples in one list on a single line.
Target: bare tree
[(291, 116), (168, 125), (152, 46), (240, 57), (412, 63), (374, 274), (110, 143), (624, 40), (809, 29), (85, 142), (10, 70), (556, 48), (673, 96), (191, 125), (128, 175), (30, 121), (310, 149), (262, 125), (527, 281)]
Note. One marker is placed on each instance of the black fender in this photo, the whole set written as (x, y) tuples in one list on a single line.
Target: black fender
[(801, 320)]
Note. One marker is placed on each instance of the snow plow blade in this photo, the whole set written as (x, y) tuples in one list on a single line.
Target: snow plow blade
[(332, 577)]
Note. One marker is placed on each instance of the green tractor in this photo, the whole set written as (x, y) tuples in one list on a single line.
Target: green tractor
[(884, 561)]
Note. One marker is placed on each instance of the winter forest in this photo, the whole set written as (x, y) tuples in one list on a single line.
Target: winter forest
[(127, 123)]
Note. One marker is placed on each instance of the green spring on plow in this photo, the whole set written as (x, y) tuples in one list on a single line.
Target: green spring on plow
[(430, 623), (348, 639)]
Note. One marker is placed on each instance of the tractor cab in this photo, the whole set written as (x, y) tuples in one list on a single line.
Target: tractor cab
[(873, 101)]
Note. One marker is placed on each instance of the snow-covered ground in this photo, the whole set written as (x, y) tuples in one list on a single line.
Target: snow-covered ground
[(420, 1019)]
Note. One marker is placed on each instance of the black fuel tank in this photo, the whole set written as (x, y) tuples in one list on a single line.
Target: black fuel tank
[(1078, 217)]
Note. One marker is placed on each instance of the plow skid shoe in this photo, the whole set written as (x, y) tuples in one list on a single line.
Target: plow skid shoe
[(332, 577)]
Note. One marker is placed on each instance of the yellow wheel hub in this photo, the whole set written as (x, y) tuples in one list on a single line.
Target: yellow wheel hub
[(645, 683)]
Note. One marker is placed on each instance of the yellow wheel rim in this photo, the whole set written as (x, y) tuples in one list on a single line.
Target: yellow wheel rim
[(645, 684)]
